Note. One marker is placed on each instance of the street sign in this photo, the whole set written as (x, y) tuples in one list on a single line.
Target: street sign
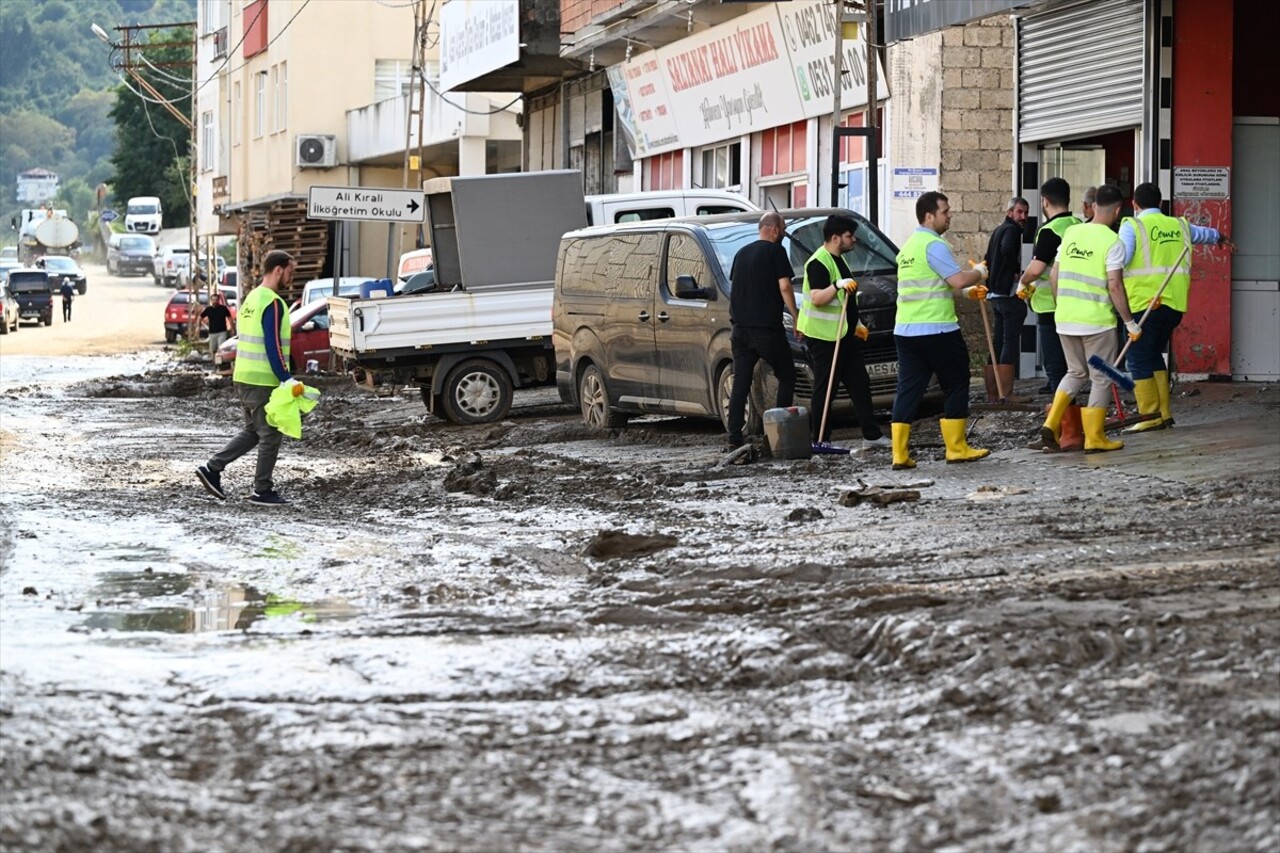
[(371, 204), (108, 215)]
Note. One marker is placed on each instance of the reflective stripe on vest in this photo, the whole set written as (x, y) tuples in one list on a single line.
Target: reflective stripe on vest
[(1042, 299), (1158, 240), (821, 321), (923, 296), (252, 365), (1084, 304)]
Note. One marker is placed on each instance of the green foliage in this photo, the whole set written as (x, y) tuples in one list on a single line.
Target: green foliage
[(57, 88)]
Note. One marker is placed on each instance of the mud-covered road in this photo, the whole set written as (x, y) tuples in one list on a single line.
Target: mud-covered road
[(532, 636)]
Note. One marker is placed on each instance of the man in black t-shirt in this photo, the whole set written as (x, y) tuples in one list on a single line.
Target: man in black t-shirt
[(68, 292), (760, 291), (219, 317)]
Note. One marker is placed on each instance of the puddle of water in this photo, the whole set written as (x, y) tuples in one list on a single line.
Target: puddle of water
[(234, 608), (22, 370)]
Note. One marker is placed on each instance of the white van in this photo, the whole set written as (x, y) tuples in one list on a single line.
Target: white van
[(143, 215), (613, 208), (319, 288)]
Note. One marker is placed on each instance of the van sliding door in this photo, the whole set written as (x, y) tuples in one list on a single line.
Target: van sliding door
[(685, 328)]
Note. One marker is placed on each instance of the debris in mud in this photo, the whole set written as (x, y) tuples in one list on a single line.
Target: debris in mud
[(995, 493), (30, 590), (27, 534), (469, 475), (174, 385), (740, 456), (878, 496), (805, 514), (612, 544)]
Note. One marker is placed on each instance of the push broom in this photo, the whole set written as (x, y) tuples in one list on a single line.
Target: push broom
[(1117, 375), (826, 446)]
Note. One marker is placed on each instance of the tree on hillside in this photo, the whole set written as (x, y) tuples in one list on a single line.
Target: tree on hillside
[(150, 142)]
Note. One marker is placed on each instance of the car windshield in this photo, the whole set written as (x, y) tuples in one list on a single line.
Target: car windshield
[(142, 209), (60, 264), (873, 252), (137, 243)]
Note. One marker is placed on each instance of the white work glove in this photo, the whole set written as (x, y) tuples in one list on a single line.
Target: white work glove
[(1025, 291), (1134, 330), (980, 268), (848, 285)]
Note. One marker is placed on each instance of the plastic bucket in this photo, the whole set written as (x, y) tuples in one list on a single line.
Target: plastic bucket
[(788, 432)]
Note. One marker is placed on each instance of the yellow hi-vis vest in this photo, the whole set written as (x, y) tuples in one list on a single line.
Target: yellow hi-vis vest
[(1158, 240), (1084, 303), (822, 321), (1042, 299), (252, 366), (923, 295)]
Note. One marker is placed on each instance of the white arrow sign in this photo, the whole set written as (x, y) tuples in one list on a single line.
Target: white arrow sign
[(373, 204)]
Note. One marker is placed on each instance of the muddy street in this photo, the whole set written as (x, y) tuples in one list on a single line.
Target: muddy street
[(531, 635)]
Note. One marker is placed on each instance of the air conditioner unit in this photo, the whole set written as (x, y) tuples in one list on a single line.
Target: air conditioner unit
[(316, 151)]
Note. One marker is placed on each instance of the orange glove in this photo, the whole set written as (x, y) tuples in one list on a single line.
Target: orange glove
[(1134, 330), (1155, 303), (977, 292), (861, 332), (848, 285), (1025, 291)]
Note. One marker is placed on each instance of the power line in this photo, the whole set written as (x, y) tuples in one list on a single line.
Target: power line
[(508, 105), (218, 70), (244, 36)]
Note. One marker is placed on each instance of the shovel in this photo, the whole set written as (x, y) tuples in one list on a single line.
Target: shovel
[(825, 446)]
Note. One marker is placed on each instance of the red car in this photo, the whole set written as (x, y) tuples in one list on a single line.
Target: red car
[(308, 341)]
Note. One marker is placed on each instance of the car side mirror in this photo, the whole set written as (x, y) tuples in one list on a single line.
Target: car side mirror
[(309, 326), (687, 288)]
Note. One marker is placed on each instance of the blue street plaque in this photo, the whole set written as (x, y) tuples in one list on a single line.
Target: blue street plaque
[(108, 215)]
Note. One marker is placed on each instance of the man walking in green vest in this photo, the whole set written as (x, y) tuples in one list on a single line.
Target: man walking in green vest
[(927, 332), (828, 310), (1087, 284), (1152, 244), (262, 364)]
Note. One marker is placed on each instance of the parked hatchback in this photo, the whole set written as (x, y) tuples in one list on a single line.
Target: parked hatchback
[(641, 315), (176, 314), (8, 310)]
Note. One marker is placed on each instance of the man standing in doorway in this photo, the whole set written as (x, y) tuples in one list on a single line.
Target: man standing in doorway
[(927, 332), (1004, 261), (262, 364), (828, 311), (1152, 244), (1087, 284), (1055, 201), (1087, 202), (760, 290)]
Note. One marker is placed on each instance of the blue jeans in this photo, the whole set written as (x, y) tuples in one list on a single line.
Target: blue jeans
[(1051, 355), (1146, 355)]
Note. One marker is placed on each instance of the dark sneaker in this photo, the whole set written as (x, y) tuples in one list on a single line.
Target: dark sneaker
[(268, 498), (212, 482)]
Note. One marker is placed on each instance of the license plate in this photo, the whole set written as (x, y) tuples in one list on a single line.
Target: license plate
[(883, 368)]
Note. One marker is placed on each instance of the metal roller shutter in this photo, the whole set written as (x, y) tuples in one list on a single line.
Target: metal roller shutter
[(1080, 69)]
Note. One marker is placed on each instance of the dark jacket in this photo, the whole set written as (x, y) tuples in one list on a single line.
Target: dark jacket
[(1004, 258)]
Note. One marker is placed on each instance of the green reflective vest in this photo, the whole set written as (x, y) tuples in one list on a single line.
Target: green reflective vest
[(923, 296), (252, 366), (1084, 303), (1042, 299), (1158, 240), (822, 322)]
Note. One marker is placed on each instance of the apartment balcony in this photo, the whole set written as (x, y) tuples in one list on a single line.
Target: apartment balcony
[(376, 134)]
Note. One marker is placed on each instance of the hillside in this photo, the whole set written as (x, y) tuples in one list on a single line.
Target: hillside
[(57, 89)]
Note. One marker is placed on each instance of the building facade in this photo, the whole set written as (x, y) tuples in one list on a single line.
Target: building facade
[(37, 185)]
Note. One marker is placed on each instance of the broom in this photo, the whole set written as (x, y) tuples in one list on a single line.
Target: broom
[(1117, 375), (826, 446)]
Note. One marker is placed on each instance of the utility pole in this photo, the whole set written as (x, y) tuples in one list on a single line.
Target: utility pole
[(873, 121), (414, 120)]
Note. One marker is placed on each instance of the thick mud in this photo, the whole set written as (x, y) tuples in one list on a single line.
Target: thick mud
[(531, 635)]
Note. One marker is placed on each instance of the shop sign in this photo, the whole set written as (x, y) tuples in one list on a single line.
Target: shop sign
[(913, 182), (1201, 182), (810, 30), (477, 37)]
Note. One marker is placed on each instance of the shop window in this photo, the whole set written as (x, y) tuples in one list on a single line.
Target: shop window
[(391, 78), (722, 166), (783, 150), (664, 171)]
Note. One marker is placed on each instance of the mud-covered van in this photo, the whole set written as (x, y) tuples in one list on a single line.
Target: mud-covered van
[(640, 317)]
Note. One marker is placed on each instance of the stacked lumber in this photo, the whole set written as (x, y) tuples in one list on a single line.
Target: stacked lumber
[(283, 225)]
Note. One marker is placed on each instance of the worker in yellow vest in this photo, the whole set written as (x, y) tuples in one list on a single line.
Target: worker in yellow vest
[(927, 332), (262, 365), (828, 313), (1087, 285), (1152, 243), (1055, 205)]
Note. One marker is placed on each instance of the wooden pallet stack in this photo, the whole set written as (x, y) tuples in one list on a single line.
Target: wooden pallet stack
[(283, 225)]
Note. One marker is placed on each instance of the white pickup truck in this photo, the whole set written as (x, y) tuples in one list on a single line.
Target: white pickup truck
[(486, 328)]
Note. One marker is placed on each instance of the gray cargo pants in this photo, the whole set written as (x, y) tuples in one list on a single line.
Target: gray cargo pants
[(256, 433)]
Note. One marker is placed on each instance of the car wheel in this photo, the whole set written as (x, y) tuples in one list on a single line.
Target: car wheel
[(4, 327), (754, 424), (170, 335), (476, 392), (593, 396), (82, 287)]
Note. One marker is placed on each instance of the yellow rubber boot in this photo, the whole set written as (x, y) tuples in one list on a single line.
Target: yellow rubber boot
[(1052, 429), (1162, 392), (1148, 404), (1094, 420), (901, 439), (958, 450)]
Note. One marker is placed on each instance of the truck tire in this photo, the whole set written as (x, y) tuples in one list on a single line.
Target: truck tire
[(477, 391), (754, 424), (593, 397)]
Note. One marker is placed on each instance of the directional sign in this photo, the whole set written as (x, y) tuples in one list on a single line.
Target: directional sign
[(108, 215), (371, 204)]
